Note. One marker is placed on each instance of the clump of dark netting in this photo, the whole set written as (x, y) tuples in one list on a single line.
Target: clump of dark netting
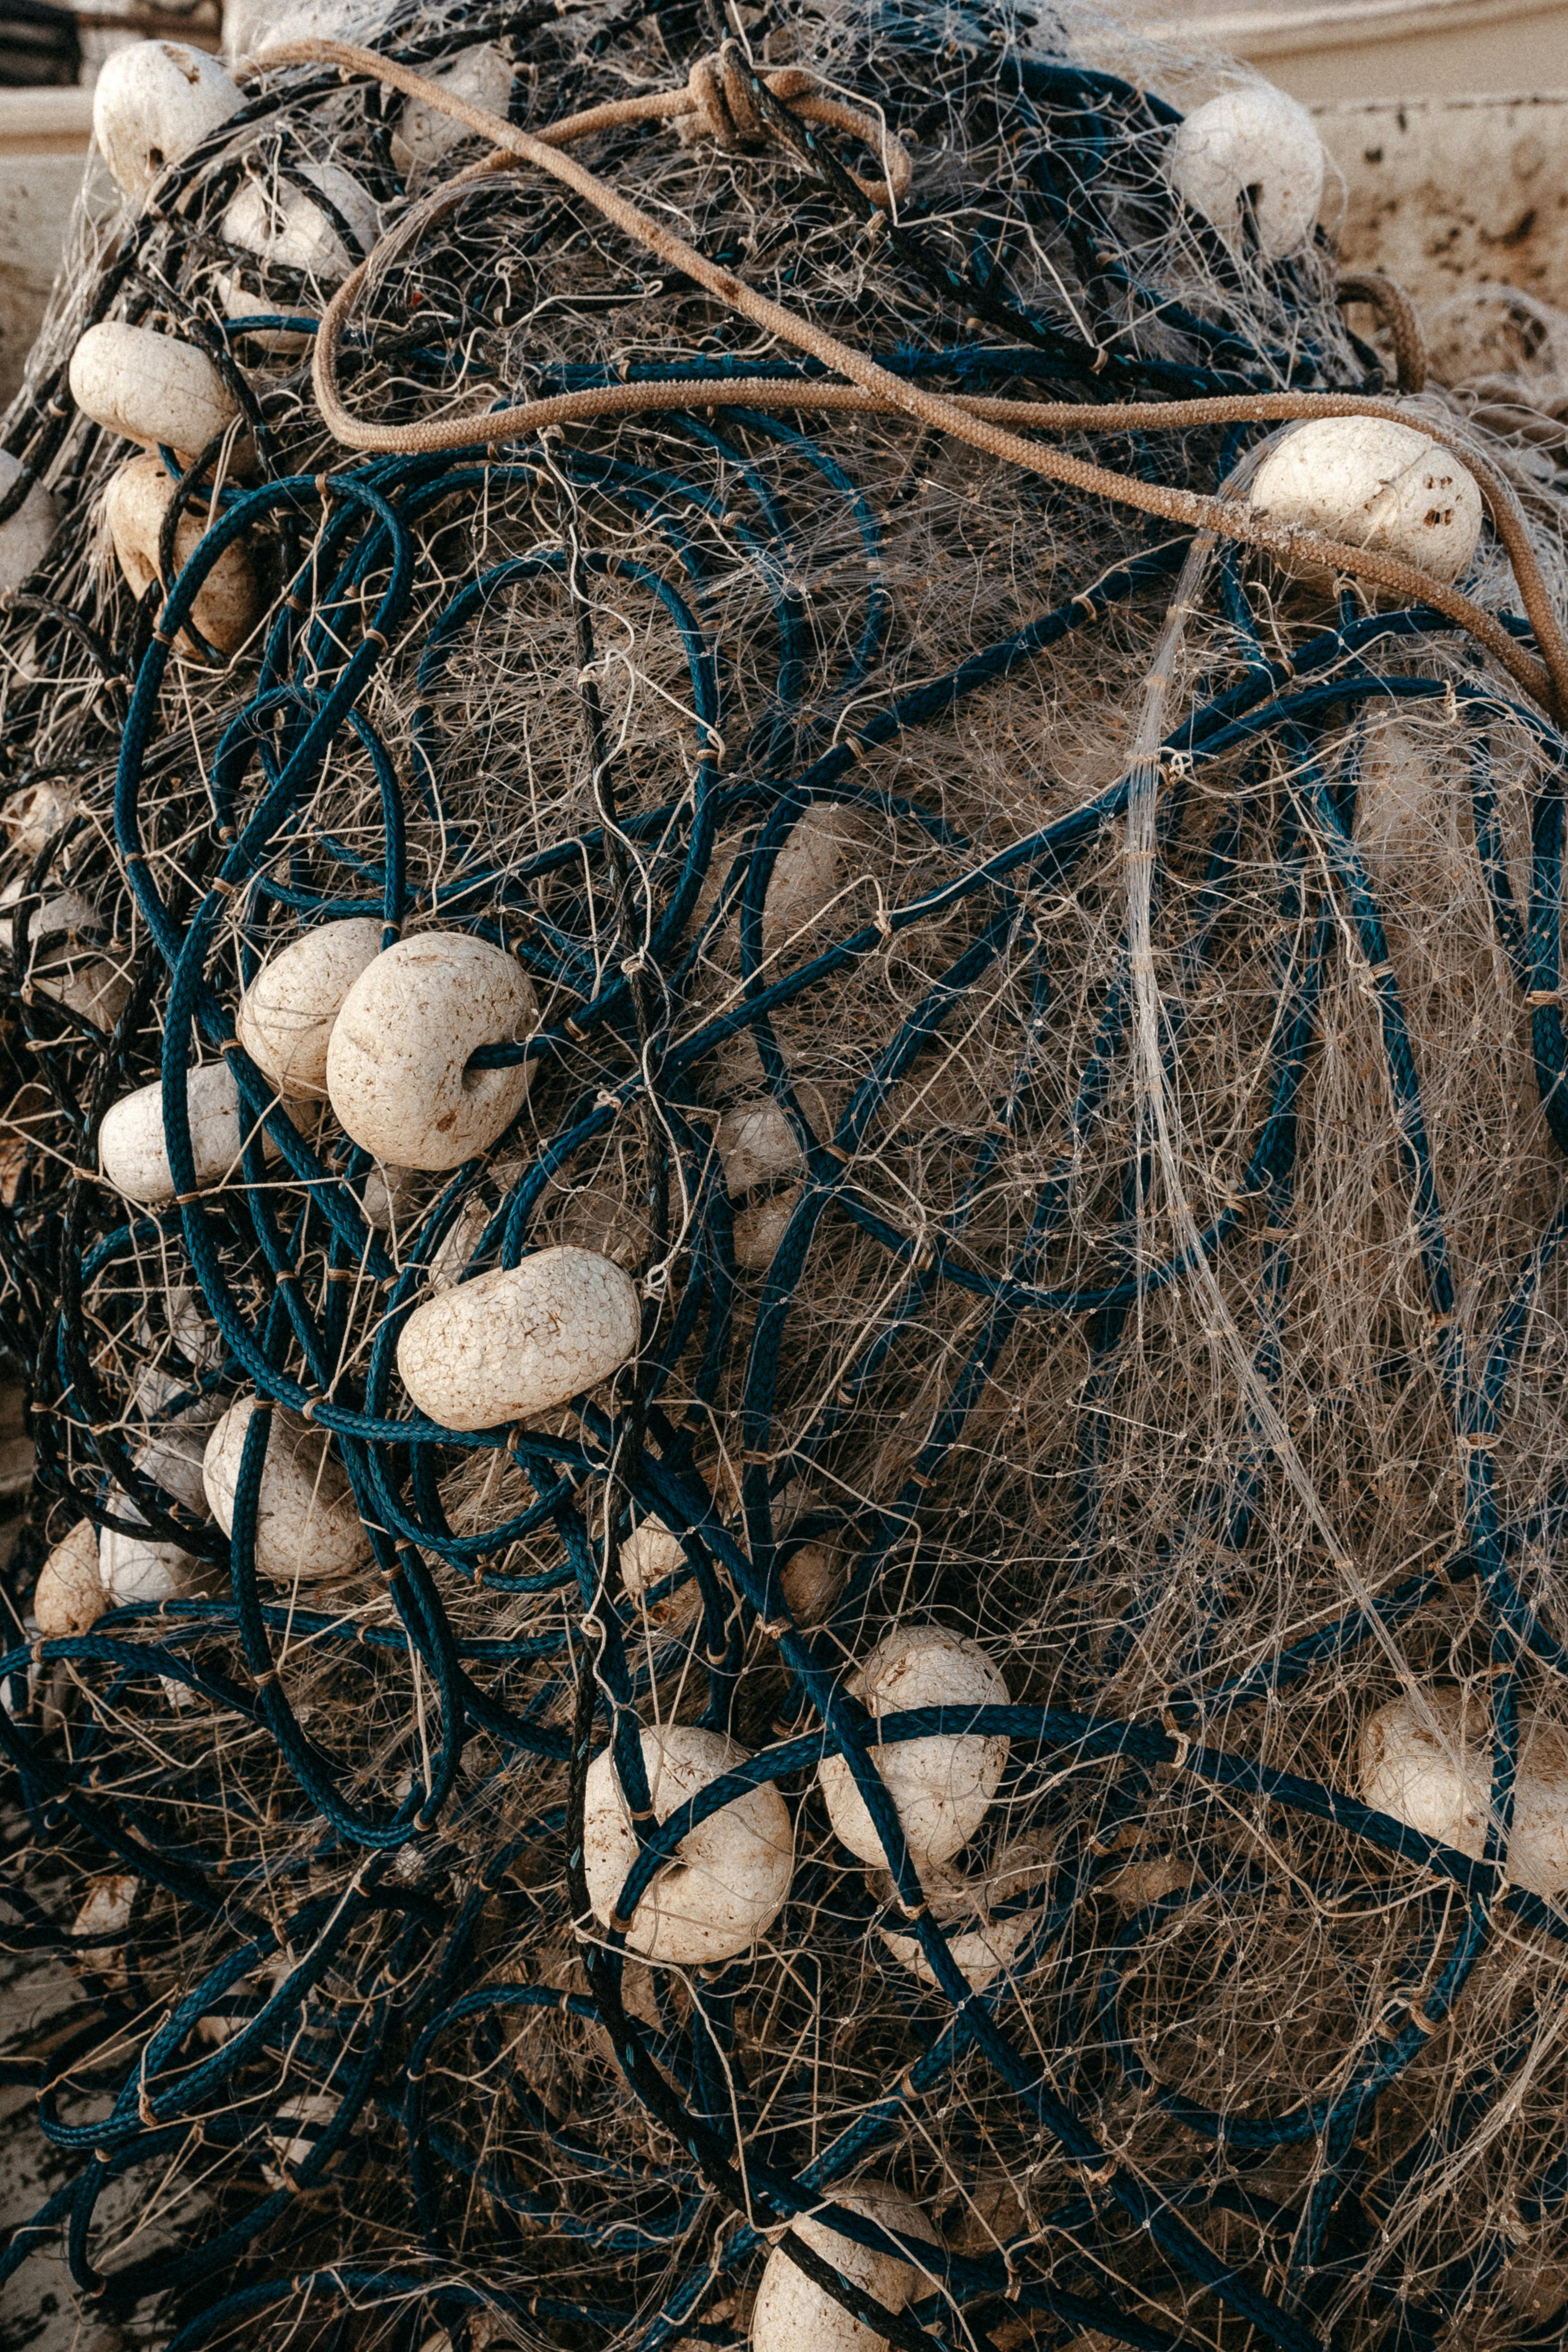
[(1062, 1025)]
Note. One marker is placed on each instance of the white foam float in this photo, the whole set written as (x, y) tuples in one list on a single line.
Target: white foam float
[(283, 226), (1375, 483), (652, 1552), (171, 1455), (1430, 1765), (134, 507), (25, 538), (309, 2113), (106, 1910), (251, 27), (35, 815), (308, 1526), (70, 1596), (729, 1879), (286, 228), (151, 388), (807, 873), (1252, 156), (941, 1785), (286, 1015), (64, 935), (520, 1341), (390, 1195), (131, 1150), (137, 1571), (984, 1951), (398, 1059), (756, 1145), (483, 76), (760, 1226), (152, 102), (813, 1577), (793, 2314)]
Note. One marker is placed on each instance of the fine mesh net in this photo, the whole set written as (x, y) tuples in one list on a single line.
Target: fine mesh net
[(1058, 1020)]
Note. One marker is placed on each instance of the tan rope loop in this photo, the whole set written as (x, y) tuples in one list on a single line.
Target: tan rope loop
[(1397, 311), (869, 388)]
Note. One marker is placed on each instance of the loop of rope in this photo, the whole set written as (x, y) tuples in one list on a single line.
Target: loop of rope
[(1397, 311), (1546, 681)]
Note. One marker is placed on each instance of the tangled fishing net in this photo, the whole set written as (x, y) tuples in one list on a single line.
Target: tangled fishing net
[(783, 1185)]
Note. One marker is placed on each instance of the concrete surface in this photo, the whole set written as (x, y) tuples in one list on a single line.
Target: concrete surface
[(36, 193), (1385, 49), (1445, 191)]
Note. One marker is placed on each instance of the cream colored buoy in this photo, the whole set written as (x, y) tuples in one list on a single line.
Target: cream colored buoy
[(286, 1015), (807, 874), (110, 1899), (308, 1526), (793, 2315), (650, 1554), (483, 76), (172, 1458), (653, 1551), (152, 388), (519, 1340), (137, 1571), (63, 932), (981, 1951), (251, 27), (1430, 1765), (467, 1228), (25, 538), (398, 1059), (813, 1577), (151, 103), (730, 1877), (283, 226), (599, 1220), (134, 505), (64, 915), (943, 1785), (1372, 482), (760, 1226), (132, 1151), (171, 1455), (37, 814), (96, 988), (1251, 156), (755, 1144), (70, 1596), (390, 1196)]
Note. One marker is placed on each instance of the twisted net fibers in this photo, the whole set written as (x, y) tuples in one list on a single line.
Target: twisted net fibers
[(1136, 981)]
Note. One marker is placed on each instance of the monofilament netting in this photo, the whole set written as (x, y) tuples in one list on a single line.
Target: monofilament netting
[(1060, 1019)]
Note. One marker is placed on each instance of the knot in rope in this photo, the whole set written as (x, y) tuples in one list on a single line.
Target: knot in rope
[(722, 106)]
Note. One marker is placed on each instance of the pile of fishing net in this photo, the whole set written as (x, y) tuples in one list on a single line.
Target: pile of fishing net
[(782, 1184)]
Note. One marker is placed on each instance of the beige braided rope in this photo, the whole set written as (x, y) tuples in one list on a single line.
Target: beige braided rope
[(870, 388), (1397, 311)]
